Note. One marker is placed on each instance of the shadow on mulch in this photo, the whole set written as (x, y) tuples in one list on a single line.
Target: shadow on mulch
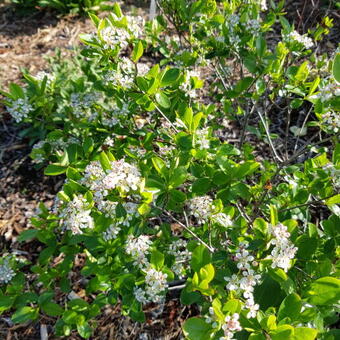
[(25, 22)]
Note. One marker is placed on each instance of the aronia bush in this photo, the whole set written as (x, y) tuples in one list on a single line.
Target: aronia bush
[(201, 153)]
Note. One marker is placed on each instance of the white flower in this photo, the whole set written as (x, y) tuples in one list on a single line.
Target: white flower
[(334, 174), (249, 280), (114, 36), (253, 26), (233, 282), (222, 219), (331, 121), (200, 207), (6, 272), (202, 138), (140, 295), (182, 255), (243, 258), (284, 251), (263, 4), (42, 74), (155, 285), (253, 308), (231, 324), (123, 176), (138, 248), (136, 25), (302, 39), (76, 215), (19, 109), (112, 232)]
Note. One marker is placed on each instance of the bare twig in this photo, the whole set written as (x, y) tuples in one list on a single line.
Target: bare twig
[(186, 227)]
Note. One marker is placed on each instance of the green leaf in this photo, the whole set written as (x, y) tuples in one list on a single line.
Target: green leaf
[(274, 220), (104, 161), (201, 186), (188, 297), (290, 307), (261, 46), (196, 329), (333, 200), (162, 100), (6, 302), (157, 259), (232, 306), (52, 309), (306, 247), (53, 170), (170, 77), (303, 71), (336, 68), (84, 330), (283, 332), (137, 51), (159, 165), (25, 314), (324, 291), (207, 272), (305, 333), (200, 257), (28, 235)]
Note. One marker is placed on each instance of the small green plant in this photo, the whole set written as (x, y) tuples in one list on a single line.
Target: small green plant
[(63, 6), (159, 192)]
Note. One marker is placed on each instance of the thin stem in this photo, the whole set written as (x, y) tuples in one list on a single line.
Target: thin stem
[(276, 156), (186, 227), (317, 202)]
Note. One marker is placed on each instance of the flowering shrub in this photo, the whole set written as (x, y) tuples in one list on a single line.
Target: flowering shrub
[(157, 194)]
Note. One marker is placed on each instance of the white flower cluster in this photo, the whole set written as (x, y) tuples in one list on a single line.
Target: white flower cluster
[(203, 209), (231, 326), (110, 141), (182, 255), (139, 248), (247, 282), (284, 250), (112, 232), (109, 210), (82, 104), (202, 138), (6, 271), (19, 109), (136, 25), (93, 176), (156, 285), (123, 176), (116, 115), (118, 78), (76, 215), (331, 121), (42, 74), (186, 86), (114, 37), (253, 26), (334, 174), (38, 153), (328, 91), (302, 39), (232, 23)]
